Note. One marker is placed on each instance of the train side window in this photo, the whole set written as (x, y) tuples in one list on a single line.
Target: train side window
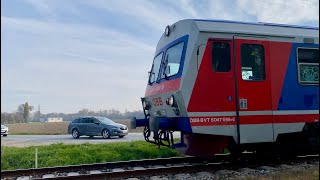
[(308, 65), (253, 62), (221, 61)]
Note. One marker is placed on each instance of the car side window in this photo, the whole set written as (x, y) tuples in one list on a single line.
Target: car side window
[(76, 120), (83, 120), (96, 121), (90, 120)]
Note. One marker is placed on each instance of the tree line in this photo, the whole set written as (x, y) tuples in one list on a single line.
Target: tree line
[(24, 114)]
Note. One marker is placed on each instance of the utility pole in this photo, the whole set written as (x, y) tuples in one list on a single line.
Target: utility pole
[(39, 114)]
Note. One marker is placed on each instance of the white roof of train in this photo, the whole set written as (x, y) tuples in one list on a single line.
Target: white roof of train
[(195, 26), (237, 27), (256, 28)]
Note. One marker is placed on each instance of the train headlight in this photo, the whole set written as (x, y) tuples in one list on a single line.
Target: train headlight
[(146, 105), (167, 31), (170, 101)]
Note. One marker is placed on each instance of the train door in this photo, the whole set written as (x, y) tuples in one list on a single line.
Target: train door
[(253, 89), (213, 97)]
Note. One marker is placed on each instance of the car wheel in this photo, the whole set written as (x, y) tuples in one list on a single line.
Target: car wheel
[(75, 133), (5, 135), (90, 136), (105, 134), (121, 136)]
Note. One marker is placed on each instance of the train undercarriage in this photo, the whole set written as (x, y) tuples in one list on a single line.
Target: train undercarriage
[(204, 145)]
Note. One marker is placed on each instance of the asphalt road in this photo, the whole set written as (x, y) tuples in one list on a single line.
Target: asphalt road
[(37, 140)]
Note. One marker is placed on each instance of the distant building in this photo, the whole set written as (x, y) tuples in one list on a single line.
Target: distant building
[(43, 119), (51, 119)]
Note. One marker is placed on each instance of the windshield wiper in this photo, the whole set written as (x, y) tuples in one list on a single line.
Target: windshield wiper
[(150, 75), (165, 67)]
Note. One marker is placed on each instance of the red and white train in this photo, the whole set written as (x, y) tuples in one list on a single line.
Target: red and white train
[(235, 85)]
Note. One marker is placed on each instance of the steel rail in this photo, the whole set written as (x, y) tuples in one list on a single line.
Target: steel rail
[(178, 164), (109, 165)]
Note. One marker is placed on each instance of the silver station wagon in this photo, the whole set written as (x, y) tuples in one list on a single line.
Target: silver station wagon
[(96, 126)]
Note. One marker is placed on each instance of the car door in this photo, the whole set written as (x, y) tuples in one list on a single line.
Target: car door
[(98, 126), (91, 127), (82, 126)]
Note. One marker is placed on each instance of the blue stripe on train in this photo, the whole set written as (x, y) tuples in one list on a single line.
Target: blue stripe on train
[(295, 96)]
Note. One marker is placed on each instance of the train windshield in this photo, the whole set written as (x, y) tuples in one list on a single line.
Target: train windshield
[(155, 68), (168, 66), (172, 60)]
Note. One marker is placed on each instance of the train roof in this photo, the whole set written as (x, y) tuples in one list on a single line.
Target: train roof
[(192, 27), (250, 28), (259, 23)]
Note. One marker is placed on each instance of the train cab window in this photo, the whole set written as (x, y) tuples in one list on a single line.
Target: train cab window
[(308, 66), (221, 57), (155, 68), (172, 60), (253, 62)]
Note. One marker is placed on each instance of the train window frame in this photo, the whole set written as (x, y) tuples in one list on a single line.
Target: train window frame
[(214, 67), (164, 64), (160, 65), (305, 83), (263, 78)]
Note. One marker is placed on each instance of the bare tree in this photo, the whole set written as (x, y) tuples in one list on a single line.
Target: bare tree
[(11, 118)]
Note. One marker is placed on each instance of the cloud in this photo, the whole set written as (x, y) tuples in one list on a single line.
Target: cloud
[(77, 61), (282, 11), (152, 14), (97, 53), (40, 5)]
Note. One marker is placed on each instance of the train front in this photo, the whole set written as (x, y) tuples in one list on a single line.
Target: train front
[(168, 88)]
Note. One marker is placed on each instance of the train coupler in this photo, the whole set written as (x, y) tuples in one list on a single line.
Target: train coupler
[(138, 122)]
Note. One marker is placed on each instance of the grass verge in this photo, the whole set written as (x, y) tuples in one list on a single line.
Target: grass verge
[(62, 154)]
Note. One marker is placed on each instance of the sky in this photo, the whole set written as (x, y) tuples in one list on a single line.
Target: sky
[(66, 55)]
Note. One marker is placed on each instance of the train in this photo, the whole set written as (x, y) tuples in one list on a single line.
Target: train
[(235, 86)]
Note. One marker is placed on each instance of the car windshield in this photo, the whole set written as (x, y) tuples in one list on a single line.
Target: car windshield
[(105, 120)]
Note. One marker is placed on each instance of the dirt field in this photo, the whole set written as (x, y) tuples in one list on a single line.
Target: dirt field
[(52, 128)]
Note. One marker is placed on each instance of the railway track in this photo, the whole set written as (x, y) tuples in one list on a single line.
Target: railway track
[(148, 167)]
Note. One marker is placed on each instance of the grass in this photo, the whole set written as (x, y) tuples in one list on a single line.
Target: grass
[(61, 154)]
